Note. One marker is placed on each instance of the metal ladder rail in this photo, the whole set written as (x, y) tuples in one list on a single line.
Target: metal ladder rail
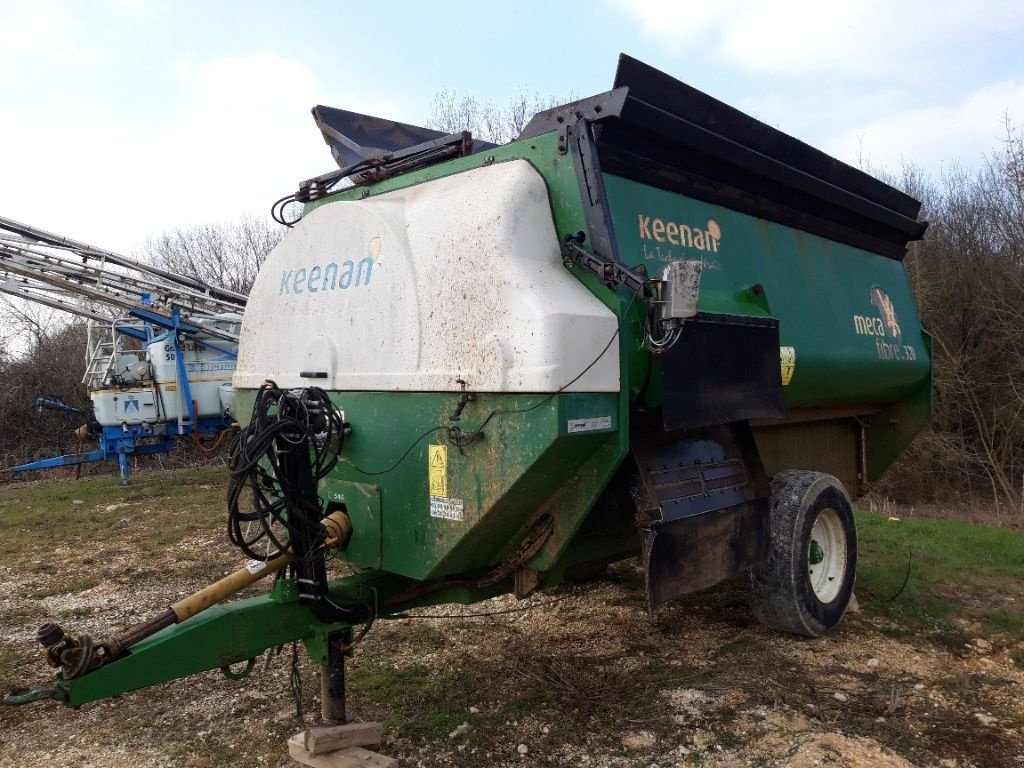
[(101, 358)]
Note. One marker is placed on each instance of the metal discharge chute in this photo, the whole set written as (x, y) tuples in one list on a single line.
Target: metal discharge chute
[(651, 326), (161, 346)]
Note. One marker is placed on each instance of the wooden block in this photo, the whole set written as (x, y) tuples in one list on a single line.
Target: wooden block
[(350, 757), (330, 738), (297, 751), (364, 758)]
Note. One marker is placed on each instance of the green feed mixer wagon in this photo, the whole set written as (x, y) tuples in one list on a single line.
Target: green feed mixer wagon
[(650, 326)]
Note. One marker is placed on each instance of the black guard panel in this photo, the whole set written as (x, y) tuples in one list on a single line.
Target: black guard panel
[(702, 508), (723, 369), (656, 130), (355, 138), (695, 553), (671, 135)]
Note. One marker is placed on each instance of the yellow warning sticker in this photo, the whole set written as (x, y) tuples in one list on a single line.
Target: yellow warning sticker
[(437, 470), (787, 358)]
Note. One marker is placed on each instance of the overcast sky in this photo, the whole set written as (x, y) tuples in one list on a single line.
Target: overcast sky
[(124, 118)]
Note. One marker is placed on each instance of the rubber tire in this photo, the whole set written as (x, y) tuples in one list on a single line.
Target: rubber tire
[(779, 589)]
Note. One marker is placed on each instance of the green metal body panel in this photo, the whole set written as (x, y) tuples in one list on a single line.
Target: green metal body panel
[(541, 152), (893, 429), (814, 287), (527, 463)]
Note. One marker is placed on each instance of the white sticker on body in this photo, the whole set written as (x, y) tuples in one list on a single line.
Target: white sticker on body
[(589, 425), (446, 509)]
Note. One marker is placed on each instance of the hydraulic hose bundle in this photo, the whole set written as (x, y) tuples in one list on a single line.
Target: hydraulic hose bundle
[(292, 441)]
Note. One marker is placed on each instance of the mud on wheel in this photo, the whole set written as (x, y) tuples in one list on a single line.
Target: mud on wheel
[(806, 582)]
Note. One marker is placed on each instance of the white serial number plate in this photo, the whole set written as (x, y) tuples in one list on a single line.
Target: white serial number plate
[(446, 509)]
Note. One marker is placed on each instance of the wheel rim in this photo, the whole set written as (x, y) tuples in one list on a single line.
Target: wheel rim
[(826, 556)]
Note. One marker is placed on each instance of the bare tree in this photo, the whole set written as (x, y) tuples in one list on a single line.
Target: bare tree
[(452, 112), (26, 324), (51, 365), (968, 275), (226, 255)]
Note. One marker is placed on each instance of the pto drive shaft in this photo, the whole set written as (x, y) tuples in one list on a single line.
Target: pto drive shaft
[(77, 656)]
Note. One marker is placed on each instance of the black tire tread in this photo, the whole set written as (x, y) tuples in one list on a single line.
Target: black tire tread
[(775, 587)]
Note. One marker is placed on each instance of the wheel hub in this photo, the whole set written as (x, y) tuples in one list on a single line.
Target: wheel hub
[(816, 554)]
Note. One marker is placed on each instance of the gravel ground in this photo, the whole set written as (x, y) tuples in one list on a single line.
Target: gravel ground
[(581, 677)]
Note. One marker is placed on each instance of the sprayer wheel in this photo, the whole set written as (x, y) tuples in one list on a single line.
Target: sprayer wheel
[(806, 582)]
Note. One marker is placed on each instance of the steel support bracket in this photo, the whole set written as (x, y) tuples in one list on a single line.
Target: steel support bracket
[(610, 272)]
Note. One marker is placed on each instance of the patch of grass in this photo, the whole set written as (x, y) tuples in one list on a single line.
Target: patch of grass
[(1011, 622), (528, 686), (956, 569), (892, 733), (9, 661), (728, 739), (80, 585), (741, 644), (424, 703), (158, 509), (65, 588), (424, 636), (11, 672)]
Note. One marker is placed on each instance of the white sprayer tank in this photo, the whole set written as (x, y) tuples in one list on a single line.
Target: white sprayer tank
[(159, 397)]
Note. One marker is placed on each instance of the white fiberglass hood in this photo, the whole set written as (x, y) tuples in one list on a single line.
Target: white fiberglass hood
[(455, 279)]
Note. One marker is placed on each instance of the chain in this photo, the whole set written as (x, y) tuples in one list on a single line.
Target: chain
[(271, 654), (296, 682), (532, 544)]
